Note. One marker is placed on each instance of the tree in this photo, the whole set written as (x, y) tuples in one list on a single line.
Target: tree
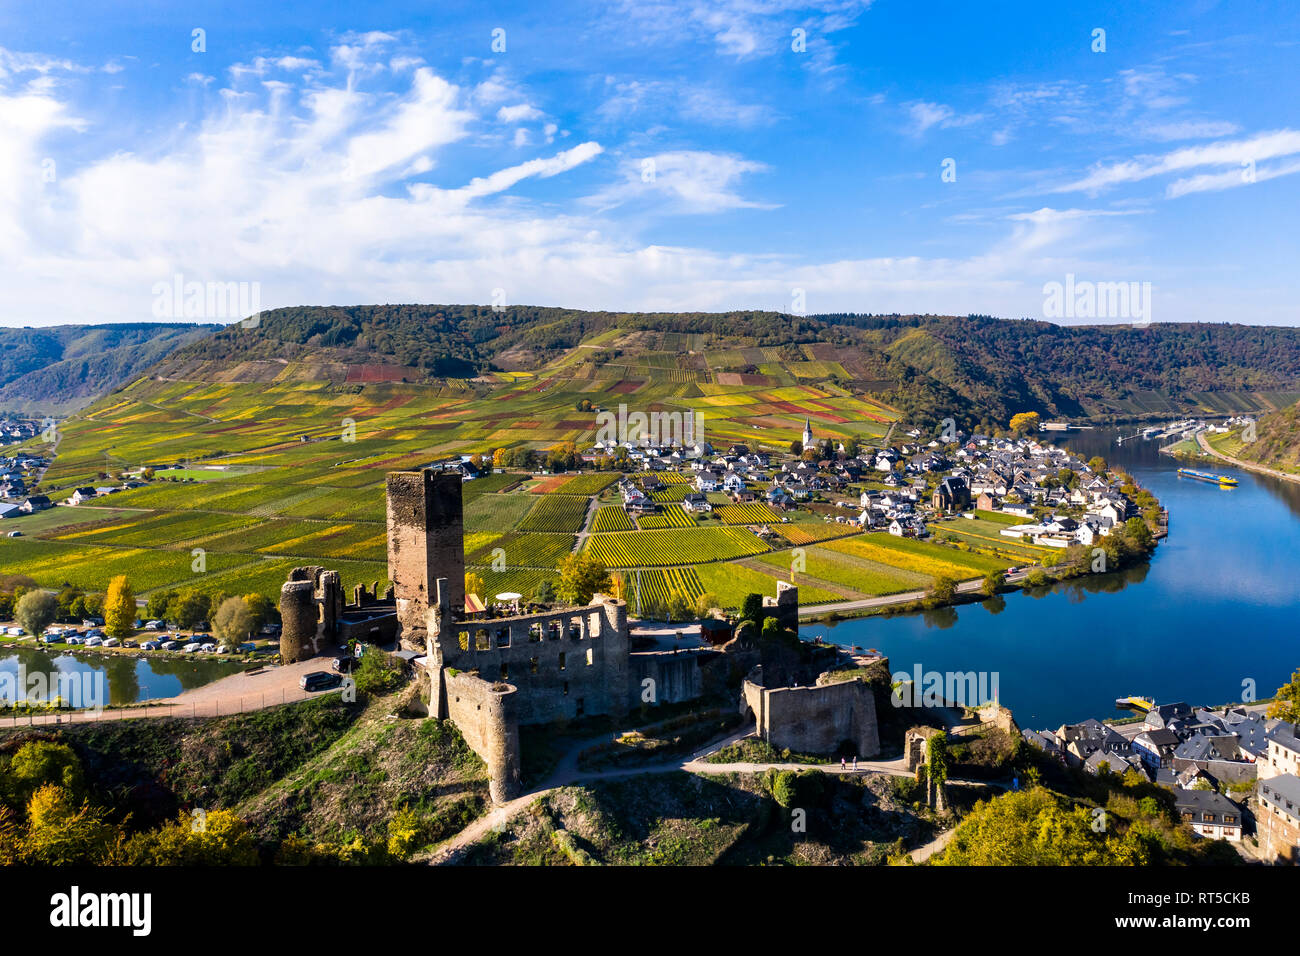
[(36, 611), (119, 608), (943, 590), (1036, 828), (474, 583), (705, 603), (680, 607), (1286, 702), (993, 582), (38, 763), (61, 832), (1136, 530), (581, 577), (261, 607), (1024, 422), (545, 593), (796, 448), (751, 608), (1098, 464), (159, 601), (189, 609), (233, 622)]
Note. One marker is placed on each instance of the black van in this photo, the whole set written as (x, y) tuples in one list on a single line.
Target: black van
[(319, 680)]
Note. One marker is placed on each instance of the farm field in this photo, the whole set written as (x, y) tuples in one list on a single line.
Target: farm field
[(908, 554), (865, 577), (300, 464)]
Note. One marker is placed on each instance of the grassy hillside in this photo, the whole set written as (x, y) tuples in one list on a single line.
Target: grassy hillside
[(1276, 444), (57, 370)]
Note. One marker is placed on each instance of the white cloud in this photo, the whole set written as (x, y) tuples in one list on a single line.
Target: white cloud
[(1235, 153), (691, 181), (519, 113)]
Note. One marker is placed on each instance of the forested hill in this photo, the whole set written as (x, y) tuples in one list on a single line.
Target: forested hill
[(971, 368), (56, 370)]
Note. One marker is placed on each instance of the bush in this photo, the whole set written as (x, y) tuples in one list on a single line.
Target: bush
[(378, 673)]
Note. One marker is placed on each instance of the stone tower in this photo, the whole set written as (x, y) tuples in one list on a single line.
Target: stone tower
[(426, 530)]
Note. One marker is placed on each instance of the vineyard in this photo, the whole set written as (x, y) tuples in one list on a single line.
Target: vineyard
[(747, 514), (664, 548), (672, 516), (611, 518), (556, 513)]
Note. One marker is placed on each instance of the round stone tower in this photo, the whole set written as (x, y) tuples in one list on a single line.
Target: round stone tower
[(298, 618)]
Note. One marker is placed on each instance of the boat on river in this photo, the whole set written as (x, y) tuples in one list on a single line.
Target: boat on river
[(1223, 481)]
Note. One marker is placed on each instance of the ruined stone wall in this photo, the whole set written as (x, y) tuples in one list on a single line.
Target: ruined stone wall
[(426, 529), (564, 664), (816, 719), (676, 677), (487, 719)]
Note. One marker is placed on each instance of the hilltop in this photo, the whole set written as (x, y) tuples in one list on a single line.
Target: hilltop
[(60, 369), (976, 369)]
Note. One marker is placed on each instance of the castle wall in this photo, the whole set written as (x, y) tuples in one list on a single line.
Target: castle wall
[(677, 677), (486, 718), (565, 664), (816, 719)]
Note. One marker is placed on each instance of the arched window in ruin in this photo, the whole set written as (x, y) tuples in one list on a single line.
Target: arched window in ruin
[(503, 637), (534, 633), (482, 641)]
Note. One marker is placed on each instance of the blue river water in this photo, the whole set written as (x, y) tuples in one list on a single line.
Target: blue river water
[(1211, 618)]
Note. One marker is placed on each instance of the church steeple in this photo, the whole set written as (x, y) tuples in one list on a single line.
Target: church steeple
[(807, 433)]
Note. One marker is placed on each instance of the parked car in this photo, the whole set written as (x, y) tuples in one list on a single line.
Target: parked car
[(150, 645), (344, 664), (319, 680), (72, 641), (94, 633)]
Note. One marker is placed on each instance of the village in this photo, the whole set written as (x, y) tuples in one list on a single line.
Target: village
[(1063, 499), (1233, 771)]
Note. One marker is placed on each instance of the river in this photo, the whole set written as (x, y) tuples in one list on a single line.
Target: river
[(1210, 619)]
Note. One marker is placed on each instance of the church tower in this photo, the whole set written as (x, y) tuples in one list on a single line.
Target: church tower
[(807, 434)]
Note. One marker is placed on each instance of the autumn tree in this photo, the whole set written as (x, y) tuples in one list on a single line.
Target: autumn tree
[(119, 608), (581, 577), (1286, 702), (1024, 422), (474, 583)]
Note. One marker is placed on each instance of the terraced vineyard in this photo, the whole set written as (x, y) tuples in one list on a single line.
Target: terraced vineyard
[(289, 469)]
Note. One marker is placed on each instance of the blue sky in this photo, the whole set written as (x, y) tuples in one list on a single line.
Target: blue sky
[(651, 155)]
